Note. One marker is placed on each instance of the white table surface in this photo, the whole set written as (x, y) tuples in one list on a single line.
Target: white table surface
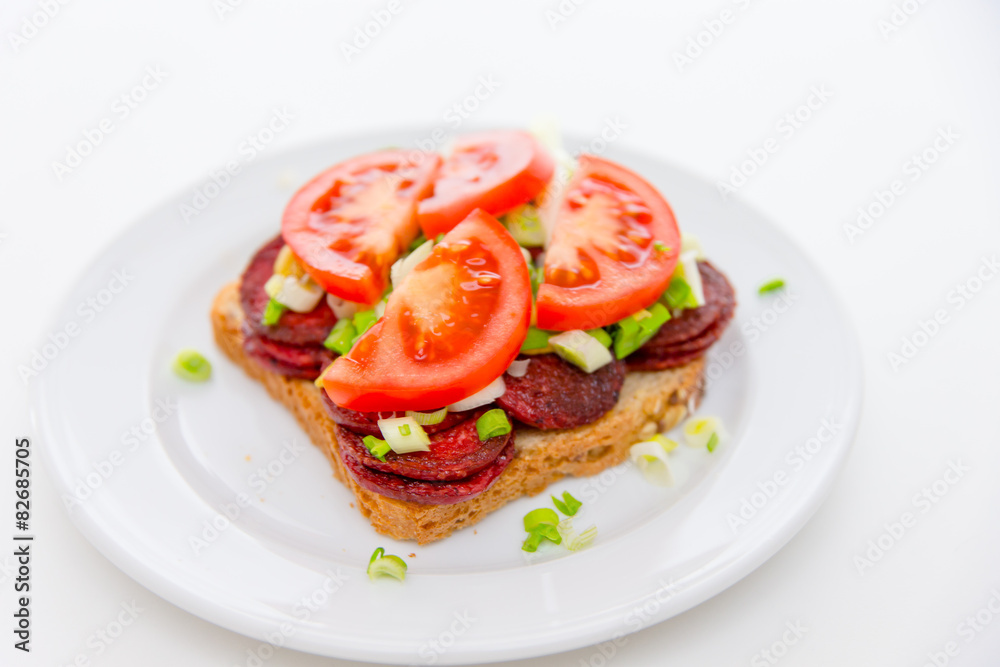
[(888, 98)]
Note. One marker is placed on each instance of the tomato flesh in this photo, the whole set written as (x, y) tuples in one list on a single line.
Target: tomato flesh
[(494, 171), (350, 223), (452, 327), (614, 247)]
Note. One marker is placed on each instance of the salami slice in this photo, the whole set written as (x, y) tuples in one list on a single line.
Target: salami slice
[(298, 361), (672, 349), (555, 394), (455, 454), (426, 492), (695, 321), (293, 328), (366, 423)]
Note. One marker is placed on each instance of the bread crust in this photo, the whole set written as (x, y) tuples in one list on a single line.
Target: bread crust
[(650, 401)]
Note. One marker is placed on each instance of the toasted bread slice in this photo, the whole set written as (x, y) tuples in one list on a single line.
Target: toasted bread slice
[(649, 401)]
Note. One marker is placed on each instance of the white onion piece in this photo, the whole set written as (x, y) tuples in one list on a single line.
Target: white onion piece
[(699, 430), (688, 266), (518, 368), (651, 457), (402, 267), (404, 435), (299, 294), (342, 308), (488, 394)]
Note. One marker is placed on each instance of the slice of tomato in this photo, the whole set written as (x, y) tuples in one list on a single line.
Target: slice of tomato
[(349, 224), (495, 171), (614, 246), (452, 327)]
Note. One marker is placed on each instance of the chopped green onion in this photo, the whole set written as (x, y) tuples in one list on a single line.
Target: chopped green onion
[(439, 238), (492, 424), (192, 366), (625, 335), (363, 321), (536, 342), (581, 349), (575, 542), (341, 337), (386, 566), (531, 544), (428, 418), (568, 505), (540, 517), (404, 435), (601, 335), (660, 246), (378, 447), (648, 326), (699, 431), (679, 294), (713, 442), (651, 458), (687, 268), (548, 531), (771, 286), (632, 332), (272, 313), (525, 226)]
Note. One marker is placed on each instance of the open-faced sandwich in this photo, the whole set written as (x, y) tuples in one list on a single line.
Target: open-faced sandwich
[(457, 331)]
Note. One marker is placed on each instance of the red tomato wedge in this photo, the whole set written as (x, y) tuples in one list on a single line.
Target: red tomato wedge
[(614, 247), (452, 327), (495, 171), (349, 224)]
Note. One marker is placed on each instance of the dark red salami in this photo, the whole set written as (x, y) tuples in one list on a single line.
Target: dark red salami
[(293, 328), (455, 454), (299, 361), (556, 394), (366, 423), (695, 321), (422, 491), (689, 337)]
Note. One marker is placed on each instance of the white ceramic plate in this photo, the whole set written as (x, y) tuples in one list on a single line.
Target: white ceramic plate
[(160, 463)]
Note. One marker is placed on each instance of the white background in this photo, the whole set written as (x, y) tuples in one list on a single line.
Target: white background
[(890, 95)]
